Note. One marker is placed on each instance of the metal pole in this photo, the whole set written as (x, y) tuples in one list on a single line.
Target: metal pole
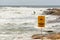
[(41, 34)]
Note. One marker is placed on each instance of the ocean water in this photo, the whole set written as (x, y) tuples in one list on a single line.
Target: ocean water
[(20, 23)]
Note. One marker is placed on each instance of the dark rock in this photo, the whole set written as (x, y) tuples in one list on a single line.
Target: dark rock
[(53, 11), (37, 36)]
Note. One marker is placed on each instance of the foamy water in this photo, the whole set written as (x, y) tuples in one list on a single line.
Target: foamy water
[(20, 23)]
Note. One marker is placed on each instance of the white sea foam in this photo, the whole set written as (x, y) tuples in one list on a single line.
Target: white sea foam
[(22, 22)]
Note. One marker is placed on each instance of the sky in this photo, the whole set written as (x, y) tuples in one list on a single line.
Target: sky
[(29, 2)]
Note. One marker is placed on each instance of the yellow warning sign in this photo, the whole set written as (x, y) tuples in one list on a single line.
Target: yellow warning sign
[(41, 21)]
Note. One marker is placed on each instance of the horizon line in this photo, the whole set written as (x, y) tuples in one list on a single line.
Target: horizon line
[(43, 6)]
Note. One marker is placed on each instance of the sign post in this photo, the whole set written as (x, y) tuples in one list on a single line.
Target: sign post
[(41, 23)]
